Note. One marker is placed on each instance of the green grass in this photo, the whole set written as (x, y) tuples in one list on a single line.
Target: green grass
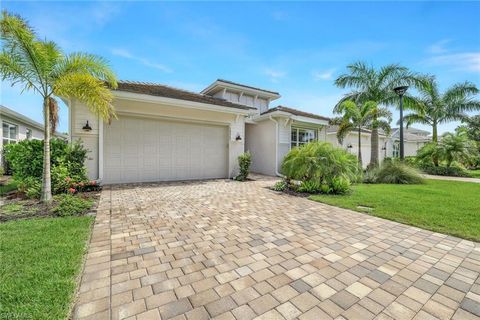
[(5, 188), (39, 262), (475, 173), (449, 207)]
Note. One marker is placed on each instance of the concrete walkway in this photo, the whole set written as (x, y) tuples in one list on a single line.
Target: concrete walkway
[(232, 250), (428, 176)]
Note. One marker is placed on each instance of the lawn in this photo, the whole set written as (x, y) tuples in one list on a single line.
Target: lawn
[(39, 263), (443, 206)]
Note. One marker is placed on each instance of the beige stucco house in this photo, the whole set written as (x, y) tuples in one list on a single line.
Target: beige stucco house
[(165, 134), (17, 127)]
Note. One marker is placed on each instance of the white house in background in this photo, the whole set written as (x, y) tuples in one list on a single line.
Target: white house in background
[(164, 134), (414, 139), (350, 143), (17, 127), (389, 146)]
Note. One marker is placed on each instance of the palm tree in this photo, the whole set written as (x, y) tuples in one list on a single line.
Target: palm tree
[(433, 108), (370, 84), (357, 116), (40, 66), (456, 147)]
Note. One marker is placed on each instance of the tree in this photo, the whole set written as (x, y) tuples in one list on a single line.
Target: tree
[(456, 147), (453, 147), (40, 66), (370, 84), (433, 108), (471, 125), (357, 116)]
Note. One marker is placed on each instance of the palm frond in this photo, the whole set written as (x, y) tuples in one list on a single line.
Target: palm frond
[(412, 118), (460, 92), (53, 107), (15, 72), (88, 90), (84, 63), (19, 41)]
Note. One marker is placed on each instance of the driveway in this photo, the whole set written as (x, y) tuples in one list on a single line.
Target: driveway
[(231, 250)]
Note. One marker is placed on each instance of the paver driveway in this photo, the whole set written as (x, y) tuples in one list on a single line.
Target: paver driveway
[(231, 250)]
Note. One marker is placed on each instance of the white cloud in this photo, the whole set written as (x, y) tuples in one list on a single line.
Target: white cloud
[(274, 75), (120, 52), (323, 75), (464, 61), (438, 47)]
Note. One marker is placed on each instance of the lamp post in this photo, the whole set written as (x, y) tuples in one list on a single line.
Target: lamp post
[(400, 91)]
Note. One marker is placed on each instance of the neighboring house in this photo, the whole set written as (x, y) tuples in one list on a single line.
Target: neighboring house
[(17, 127), (388, 146), (164, 134), (414, 139), (350, 143)]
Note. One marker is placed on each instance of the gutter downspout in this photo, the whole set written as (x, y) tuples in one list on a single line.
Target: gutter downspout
[(276, 148)]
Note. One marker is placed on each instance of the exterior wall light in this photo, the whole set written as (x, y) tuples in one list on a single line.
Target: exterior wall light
[(87, 127), (238, 138), (349, 146)]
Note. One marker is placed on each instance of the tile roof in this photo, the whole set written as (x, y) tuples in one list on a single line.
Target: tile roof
[(246, 86), (161, 90), (296, 113)]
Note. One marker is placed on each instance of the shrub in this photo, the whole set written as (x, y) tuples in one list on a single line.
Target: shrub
[(371, 176), (398, 173), (30, 186), (321, 164), (310, 186), (454, 171), (340, 185), (280, 186), (70, 205), (411, 161), (67, 163), (244, 162)]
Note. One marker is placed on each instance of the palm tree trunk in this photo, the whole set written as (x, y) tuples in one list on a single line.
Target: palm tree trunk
[(374, 147), (360, 146), (435, 140), (46, 176), (434, 132)]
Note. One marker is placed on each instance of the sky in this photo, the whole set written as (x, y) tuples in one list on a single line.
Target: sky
[(295, 48)]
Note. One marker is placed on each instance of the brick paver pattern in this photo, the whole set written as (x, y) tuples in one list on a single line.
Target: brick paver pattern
[(231, 250)]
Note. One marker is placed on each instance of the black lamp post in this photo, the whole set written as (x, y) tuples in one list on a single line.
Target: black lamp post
[(401, 91)]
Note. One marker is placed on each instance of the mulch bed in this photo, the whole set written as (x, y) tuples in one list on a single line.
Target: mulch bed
[(29, 208)]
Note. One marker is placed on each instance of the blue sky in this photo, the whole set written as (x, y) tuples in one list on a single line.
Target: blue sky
[(295, 48)]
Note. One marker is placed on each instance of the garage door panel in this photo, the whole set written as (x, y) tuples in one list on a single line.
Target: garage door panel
[(138, 150)]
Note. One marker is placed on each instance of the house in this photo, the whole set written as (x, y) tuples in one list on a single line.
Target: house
[(413, 140), (17, 127), (163, 133), (350, 143), (389, 145)]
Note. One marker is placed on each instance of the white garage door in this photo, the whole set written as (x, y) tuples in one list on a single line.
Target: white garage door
[(141, 150)]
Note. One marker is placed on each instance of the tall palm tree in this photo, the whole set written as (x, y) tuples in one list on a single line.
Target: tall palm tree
[(433, 108), (356, 116), (370, 84), (40, 66)]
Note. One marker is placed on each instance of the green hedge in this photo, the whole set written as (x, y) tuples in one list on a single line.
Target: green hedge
[(26, 161)]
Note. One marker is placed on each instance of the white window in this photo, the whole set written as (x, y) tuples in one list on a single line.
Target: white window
[(302, 136), (28, 133), (396, 149), (9, 133)]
